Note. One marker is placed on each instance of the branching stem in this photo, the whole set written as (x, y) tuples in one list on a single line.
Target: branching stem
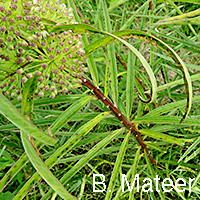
[(119, 115)]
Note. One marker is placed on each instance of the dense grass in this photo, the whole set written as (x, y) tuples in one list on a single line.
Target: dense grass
[(94, 141)]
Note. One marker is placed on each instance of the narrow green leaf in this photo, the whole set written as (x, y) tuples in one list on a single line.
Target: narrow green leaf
[(59, 153), (130, 20), (129, 84), (130, 175), (13, 115), (192, 121), (117, 166), (87, 157), (153, 175), (111, 57), (115, 3), (157, 42), (42, 169), (161, 136), (16, 167), (191, 148), (179, 18), (69, 113), (169, 107)]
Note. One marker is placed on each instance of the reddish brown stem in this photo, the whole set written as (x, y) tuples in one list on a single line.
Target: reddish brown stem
[(18, 68), (119, 115), (80, 14)]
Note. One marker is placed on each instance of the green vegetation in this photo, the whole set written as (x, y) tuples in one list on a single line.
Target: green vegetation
[(104, 87)]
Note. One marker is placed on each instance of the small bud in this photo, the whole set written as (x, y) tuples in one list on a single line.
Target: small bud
[(70, 42), (7, 58), (29, 58), (61, 67), (62, 82), (37, 73), (41, 94), (21, 60), (29, 75), (53, 95), (3, 28), (60, 75), (27, 18), (24, 79), (50, 49), (33, 45), (55, 71), (17, 33), (61, 43), (11, 28), (9, 12), (51, 57), (40, 57), (9, 39), (40, 79), (19, 98), (47, 88), (66, 49), (53, 88), (44, 66), (14, 6), (21, 50), (58, 51), (55, 80), (73, 67), (41, 87), (19, 71), (2, 8), (26, 12), (52, 34)]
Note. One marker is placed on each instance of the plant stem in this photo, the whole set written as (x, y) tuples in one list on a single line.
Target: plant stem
[(120, 116)]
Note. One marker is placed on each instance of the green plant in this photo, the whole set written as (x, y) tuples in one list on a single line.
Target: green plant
[(43, 61)]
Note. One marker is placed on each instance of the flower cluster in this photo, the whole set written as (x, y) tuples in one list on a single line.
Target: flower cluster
[(29, 49)]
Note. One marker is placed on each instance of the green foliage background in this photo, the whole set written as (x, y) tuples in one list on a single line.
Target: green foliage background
[(162, 58)]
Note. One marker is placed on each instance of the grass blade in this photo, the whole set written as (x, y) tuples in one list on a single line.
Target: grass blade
[(59, 153), (13, 115), (69, 113), (42, 169), (161, 136), (191, 148), (117, 167), (88, 156), (111, 56)]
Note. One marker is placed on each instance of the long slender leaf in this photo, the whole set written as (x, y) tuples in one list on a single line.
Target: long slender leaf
[(161, 136), (69, 113), (88, 156), (13, 115), (59, 153), (118, 163), (192, 121), (191, 148), (42, 169), (111, 56)]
